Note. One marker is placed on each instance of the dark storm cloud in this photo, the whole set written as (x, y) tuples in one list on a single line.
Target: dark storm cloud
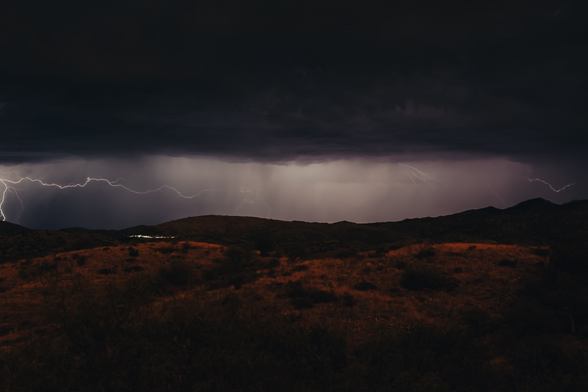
[(277, 81)]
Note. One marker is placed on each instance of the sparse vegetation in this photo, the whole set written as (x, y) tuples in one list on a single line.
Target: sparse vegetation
[(177, 273), (507, 263), (133, 252), (363, 286), (425, 253), (80, 259), (426, 277), (186, 317)]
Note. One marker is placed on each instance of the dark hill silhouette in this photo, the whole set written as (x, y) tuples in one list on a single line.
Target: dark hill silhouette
[(532, 222), (533, 206), (7, 228)]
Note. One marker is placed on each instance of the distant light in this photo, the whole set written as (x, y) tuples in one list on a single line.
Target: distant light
[(149, 236)]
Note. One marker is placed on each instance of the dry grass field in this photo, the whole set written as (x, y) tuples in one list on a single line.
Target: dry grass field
[(453, 296), (372, 285)]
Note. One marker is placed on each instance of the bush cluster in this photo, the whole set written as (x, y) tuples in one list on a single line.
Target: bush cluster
[(426, 277)]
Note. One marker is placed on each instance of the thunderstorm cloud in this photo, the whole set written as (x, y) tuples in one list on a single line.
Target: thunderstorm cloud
[(320, 111)]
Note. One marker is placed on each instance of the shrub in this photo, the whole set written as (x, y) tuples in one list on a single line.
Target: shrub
[(106, 271), (294, 289), (237, 256), (274, 262), (421, 277), (133, 252), (177, 273), (303, 298), (134, 268), (299, 268), (401, 265), (425, 253), (296, 252), (264, 244), (349, 300), (144, 286), (81, 260), (507, 263), (210, 274), (166, 250), (46, 267), (5, 330), (363, 286), (185, 247), (322, 296)]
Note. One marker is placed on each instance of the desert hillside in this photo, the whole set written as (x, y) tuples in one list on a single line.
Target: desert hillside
[(213, 317)]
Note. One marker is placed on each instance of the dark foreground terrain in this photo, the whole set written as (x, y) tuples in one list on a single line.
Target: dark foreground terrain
[(485, 300)]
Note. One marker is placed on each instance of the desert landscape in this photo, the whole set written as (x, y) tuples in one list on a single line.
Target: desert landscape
[(289, 196), (272, 305)]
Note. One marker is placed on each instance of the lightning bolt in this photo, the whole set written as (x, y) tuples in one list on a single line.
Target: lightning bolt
[(414, 173), (496, 194), (549, 185), (9, 186), (249, 201)]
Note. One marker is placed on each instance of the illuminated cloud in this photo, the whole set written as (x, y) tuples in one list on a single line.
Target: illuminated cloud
[(359, 190), (291, 110)]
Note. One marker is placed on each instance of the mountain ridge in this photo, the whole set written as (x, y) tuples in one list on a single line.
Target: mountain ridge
[(532, 222)]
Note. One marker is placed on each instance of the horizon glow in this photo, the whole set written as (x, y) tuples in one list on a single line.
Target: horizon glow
[(157, 189)]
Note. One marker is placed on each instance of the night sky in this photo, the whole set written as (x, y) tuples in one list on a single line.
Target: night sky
[(296, 110)]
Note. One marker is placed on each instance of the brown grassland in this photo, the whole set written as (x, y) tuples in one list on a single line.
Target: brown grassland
[(469, 289), (483, 284)]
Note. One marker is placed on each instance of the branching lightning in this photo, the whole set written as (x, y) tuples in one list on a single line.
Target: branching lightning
[(415, 174), (549, 185), (9, 186), (250, 201), (496, 194)]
